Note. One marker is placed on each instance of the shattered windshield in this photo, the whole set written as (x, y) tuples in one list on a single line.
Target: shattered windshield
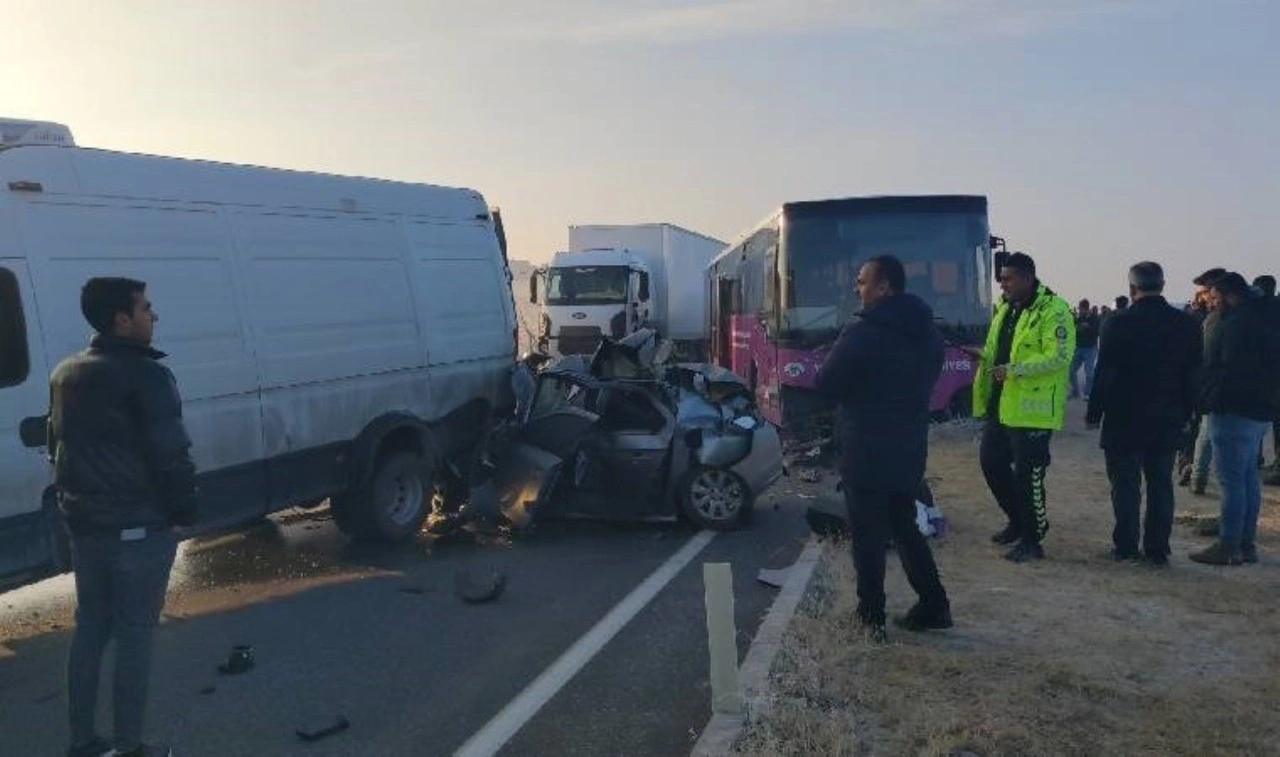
[(594, 285)]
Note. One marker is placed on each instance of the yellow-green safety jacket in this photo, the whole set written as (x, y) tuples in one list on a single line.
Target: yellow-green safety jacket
[(1035, 388)]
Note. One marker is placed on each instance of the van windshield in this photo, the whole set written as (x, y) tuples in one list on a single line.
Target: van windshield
[(594, 285)]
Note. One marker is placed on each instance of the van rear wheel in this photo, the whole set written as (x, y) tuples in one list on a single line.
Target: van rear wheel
[(392, 504)]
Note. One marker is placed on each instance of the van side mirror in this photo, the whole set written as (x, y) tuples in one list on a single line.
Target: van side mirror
[(644, 286), (34, 432), (533, 288)]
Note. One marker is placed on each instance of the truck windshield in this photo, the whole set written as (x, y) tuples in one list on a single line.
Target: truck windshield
[(944, 255), (595, 285)]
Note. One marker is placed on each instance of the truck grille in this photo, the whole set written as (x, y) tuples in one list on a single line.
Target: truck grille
[(579, 340)]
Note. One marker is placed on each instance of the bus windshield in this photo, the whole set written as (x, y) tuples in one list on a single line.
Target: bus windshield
[(944, 255), (594, 285)]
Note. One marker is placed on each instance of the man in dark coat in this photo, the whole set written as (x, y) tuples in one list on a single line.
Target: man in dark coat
[(881, 371), (1145, 397)]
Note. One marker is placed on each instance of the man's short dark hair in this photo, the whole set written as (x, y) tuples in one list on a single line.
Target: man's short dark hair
[(104, 296), (1207, 278), (1021, 262), (1266, 283), (1122, 302), (1232, 284), (890, 270), (1147, 276)]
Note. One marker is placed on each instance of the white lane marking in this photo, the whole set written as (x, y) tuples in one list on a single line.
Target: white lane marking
[(498, 731)]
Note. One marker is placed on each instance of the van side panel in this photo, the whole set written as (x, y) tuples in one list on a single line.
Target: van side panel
[(336, 335), (185, 257), (460, 287)]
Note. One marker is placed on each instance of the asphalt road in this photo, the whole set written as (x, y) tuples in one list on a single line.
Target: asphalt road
[(377, 635)]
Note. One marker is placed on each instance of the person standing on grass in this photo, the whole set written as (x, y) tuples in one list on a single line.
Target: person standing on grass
[(1087, 330), (124, 479), (881, 372), (1202, 454), (1021, 391), (1240, 388), (1144, 398)]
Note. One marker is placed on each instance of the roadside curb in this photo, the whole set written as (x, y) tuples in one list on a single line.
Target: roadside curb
[(723, 731)]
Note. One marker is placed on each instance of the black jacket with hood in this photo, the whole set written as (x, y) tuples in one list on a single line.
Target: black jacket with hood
[(882, 371), (121, 455)]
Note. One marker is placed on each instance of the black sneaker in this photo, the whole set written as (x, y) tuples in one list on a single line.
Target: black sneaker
[(921, 618), (1117, 555), (1006, 537), (98, 747), (1217, 554), (1156, 560), (1249, 554), (1025, 552)]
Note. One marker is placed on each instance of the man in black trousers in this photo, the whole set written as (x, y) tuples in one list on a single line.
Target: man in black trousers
[(1144, 398), (881, 371)]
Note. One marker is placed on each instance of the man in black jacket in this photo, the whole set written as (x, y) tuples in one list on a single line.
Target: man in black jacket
[(1144, 397), (881, 371), (1240, 386), (124, 478)]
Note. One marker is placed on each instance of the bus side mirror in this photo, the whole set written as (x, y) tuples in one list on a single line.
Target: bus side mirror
[(533, 288), (1000, 258), (644, 286)]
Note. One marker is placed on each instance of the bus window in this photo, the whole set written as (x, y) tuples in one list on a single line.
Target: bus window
[(15, 362)]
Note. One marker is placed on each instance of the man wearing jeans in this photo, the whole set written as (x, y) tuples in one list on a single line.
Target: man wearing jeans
[(1241, 379), (124, 478), (881, 371), (1144, 398), (1086, 357), (1201, 458)]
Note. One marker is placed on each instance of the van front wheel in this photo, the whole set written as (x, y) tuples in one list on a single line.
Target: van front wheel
[(393, 504)]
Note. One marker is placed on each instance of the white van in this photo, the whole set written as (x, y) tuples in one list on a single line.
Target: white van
[(332, 337)]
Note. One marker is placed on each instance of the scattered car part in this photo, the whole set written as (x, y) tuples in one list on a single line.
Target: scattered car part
[(240, 660), (315, 733), (474, 593)]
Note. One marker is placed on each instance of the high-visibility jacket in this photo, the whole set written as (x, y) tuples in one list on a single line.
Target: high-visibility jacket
[(1035, 388)]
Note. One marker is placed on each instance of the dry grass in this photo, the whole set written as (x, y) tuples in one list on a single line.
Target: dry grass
[(1075, 655)]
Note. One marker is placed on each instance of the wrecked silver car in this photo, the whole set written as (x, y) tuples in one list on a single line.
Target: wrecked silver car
[(624, 436)]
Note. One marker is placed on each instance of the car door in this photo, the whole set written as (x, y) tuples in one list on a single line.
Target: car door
[(633, 445)]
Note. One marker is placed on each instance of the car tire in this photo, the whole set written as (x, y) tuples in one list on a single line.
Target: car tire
[(715, 498), (393, 504)]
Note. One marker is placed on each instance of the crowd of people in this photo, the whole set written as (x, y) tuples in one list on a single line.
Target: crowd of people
[(1172, 390)]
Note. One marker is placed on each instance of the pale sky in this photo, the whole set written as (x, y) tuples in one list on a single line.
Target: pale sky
[(1103, 131)]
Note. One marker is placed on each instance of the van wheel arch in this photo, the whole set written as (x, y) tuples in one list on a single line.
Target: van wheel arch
[(395, 449)]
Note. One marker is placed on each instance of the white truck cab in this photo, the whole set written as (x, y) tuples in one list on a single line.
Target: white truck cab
[(590, 294)]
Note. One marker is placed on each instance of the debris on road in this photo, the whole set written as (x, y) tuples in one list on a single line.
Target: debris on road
[(310, 733), (773, 578), (240, 660), (474, 593), (810, 475)]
